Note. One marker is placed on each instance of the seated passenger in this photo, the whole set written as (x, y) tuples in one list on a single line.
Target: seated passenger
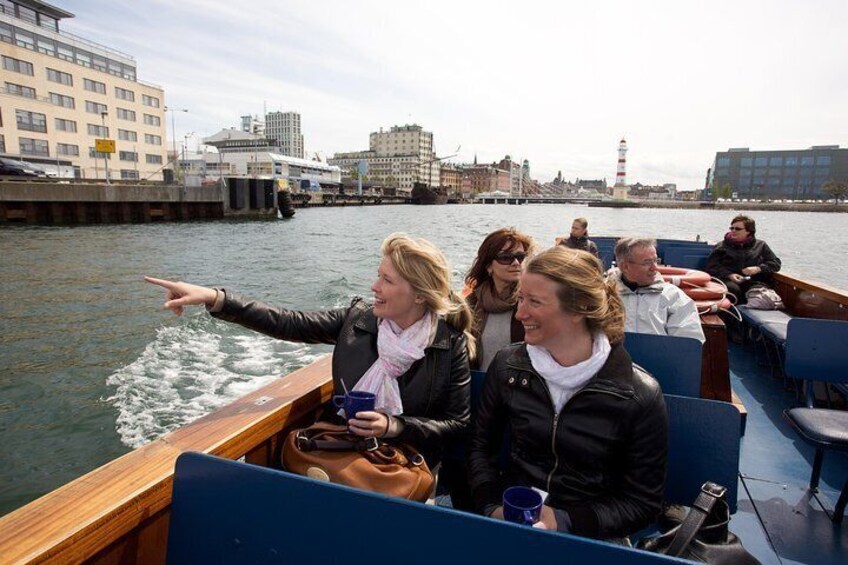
[(585, 424), (652, 305), (493, 276), (742, 260), (579, 238), (410, 347)]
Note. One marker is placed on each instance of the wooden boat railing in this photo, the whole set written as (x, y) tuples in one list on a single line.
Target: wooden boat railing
[(119, 513), (811, 299)]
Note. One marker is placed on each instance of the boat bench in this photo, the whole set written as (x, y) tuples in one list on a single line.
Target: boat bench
[(226, 511), (771, 324)]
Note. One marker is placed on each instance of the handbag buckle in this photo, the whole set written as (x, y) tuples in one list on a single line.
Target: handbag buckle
[(301, 441), (712, 489), (371, 444)]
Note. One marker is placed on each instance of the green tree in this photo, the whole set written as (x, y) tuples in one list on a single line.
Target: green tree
[(836, 189), (722, 190)]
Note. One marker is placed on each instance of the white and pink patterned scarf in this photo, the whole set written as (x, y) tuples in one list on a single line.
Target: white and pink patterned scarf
[(397, 349)]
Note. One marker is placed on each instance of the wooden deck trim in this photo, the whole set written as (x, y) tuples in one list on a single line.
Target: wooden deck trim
[(88, 515), (830, 293)]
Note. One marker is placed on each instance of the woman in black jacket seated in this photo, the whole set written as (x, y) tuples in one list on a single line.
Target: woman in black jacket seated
[(585, 425), (742, 260), (411, 347)]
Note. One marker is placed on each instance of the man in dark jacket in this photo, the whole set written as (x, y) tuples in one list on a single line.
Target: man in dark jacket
[(742, 260), (579, 238)]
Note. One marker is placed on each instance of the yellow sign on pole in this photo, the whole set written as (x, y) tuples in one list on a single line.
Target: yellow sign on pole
[(104, 145)]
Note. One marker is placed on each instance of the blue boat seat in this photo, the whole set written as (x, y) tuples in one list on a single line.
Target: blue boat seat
[(230, 512), (815, 351), (771, 323), (674, 361)]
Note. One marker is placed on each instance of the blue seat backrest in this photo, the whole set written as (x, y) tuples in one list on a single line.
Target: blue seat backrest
[(816, 350), (687, 257), (229, 512), (703, 445), (674, 361)]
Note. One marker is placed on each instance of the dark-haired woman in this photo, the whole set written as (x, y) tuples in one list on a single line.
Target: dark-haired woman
[(493, 278), (741, 260), (585, 425)]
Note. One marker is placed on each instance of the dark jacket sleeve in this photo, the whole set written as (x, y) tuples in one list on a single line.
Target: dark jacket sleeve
[(489, 425), (638, 498), (593, 249), (449, 417), (289, 325), (716, 265), (769, 262)]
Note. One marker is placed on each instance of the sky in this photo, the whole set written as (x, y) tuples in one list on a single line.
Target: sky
[(557, 83)]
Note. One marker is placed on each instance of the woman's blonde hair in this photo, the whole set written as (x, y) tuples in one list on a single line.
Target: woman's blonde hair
[(425, 268), (581, 288)]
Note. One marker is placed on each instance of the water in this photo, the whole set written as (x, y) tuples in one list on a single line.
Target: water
[(90, 366)]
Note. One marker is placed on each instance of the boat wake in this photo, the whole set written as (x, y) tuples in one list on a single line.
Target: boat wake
[(193, 368)]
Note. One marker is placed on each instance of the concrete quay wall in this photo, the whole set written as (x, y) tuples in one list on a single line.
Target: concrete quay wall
[(56, 203)]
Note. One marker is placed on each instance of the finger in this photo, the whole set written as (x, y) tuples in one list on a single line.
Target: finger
[(160, 282), (178, 302), (368, 416)]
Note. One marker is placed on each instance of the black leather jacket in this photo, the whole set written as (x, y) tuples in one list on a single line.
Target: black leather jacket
[(435, 390), (728, 258), (602, 459), (583, 243)]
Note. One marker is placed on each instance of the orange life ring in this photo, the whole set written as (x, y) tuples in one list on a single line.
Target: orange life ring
[(710, 291), (683, 277)]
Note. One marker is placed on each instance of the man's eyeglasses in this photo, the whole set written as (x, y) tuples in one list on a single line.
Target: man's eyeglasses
[(734, 228), (646, 262), (508, 258)]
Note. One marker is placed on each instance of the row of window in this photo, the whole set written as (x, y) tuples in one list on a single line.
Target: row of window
[(40, 148), (791, 161), (28, 15), (48, 46), (36, 121), (789, 172)]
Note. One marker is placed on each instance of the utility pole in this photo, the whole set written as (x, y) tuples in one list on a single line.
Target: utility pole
[(174, 135), (105, 135)]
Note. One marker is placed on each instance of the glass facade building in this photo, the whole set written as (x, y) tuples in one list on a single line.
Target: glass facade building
[(779, 175)]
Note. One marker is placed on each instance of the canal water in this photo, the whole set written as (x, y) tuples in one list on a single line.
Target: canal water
[(91, 367)]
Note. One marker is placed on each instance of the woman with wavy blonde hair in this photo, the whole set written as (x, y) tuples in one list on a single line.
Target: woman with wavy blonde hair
[(586, 425), (410, 347)]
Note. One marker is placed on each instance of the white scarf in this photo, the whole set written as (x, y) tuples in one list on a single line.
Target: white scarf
[(398, 349), (564, 382)]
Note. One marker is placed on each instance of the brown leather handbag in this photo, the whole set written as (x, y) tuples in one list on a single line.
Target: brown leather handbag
[(331, 453)]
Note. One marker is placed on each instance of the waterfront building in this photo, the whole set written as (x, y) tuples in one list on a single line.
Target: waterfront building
[(485, 179), (450, 176), (666, 191), (284, 128), (242, 154), (779, 174), (399, 157), (60, 92), (252, 124)]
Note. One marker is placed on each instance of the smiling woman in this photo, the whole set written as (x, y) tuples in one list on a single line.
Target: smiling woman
[(586, 425), (415, 316)]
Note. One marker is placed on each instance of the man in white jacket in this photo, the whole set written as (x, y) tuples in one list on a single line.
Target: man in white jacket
[(653, 306)]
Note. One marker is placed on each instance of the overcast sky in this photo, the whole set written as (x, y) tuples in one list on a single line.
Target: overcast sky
[(558, 83)]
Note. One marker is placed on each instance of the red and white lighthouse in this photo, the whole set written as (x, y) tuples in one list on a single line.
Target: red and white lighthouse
[(621, 171), (620, 189)]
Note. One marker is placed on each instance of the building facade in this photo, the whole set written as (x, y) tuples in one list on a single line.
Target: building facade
[(790, 175), (60, 92), (399, 158), (284, 127)]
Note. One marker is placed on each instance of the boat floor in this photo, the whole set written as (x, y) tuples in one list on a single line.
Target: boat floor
[(779, 520)]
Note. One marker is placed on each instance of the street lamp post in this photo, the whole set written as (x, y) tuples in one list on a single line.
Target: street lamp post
[(185, 156), (174, 134), (105, 135)]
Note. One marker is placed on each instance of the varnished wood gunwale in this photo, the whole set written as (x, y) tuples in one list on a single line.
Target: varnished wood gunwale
[(811, 299), (110, 506)]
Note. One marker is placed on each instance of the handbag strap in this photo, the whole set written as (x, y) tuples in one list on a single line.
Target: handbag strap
[(701, 508), (306, 443)]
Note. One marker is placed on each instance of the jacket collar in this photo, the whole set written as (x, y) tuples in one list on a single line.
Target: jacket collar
[(368, 323), (617, 370), (656, 286)]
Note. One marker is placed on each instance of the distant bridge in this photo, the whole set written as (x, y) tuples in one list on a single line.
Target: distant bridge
[(536, 199)]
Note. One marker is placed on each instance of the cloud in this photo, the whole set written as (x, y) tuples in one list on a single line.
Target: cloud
[(556, 84)]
